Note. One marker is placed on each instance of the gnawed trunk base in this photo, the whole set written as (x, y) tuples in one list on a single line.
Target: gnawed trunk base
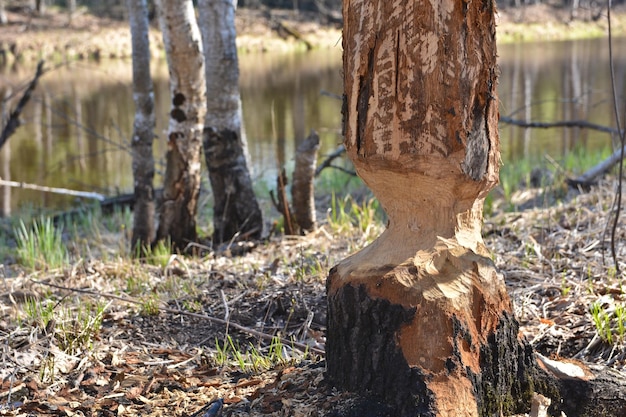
[(363, 355)]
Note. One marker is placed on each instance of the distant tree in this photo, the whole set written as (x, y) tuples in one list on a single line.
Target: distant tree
[(236, 209), (143, 134), (183, 47), (3, 15), (71, 10)]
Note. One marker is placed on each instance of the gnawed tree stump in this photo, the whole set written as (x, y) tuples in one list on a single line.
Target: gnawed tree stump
[(302, 188), (421, 317)]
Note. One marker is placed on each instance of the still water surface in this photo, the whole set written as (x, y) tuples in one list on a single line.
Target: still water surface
[(78, 124)]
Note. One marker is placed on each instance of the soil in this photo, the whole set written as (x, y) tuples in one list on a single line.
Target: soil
[(242, 329)]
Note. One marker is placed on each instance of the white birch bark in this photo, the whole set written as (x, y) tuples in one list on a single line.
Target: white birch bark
[(217, 24), (236, 211), (183, 48), (3, 16)]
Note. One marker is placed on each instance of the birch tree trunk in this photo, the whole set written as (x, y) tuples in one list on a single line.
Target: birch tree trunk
[(421, 317), (3, 15), (143, 134), (236, 210), (183, 47)]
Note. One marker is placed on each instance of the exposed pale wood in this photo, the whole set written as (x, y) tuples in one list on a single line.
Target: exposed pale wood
[(418, 316)]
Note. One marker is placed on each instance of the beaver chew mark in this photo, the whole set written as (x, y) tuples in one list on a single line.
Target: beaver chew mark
[(178, 115), (178, 100)]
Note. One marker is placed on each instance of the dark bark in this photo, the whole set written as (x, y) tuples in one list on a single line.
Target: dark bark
[(364, 348), (302, 190), (143, 134), (13, 121), (363, 355), (236, 213)]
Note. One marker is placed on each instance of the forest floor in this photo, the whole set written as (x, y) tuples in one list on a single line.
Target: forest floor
[(107, 335)]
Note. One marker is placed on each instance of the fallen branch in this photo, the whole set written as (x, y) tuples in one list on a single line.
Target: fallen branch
[(64, 191), (216, 320), (14, 118), (583, 124), (589, 176)]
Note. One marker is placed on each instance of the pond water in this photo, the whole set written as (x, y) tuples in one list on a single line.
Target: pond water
[(77, 126)]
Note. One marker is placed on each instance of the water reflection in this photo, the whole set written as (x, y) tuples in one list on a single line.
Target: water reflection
[(78, 125)]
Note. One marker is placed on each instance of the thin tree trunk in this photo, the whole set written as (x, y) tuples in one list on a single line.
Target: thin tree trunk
[(143, 128), (302, 190), (236, 210), (183, 47), (71, 9), (3, 15), (5, 154), (421, 317)]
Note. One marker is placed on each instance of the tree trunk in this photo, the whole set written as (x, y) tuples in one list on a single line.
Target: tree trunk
[(71, 9), (183, 47), (3, 15), (302, 190), (421, 317), (236, 211), (143, 160)]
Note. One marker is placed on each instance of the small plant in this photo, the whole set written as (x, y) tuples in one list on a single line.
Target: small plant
[(150, 306), (77, 329), (610, 327), (138, 283), (345, 214), (41, 245), (157, 255), (230, 353), (72, 329), (38, 314), (565, 288)]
